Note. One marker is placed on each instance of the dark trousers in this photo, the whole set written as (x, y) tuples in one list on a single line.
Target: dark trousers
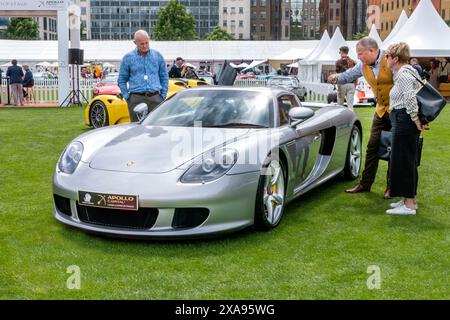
[(405, 139), (135, 99), (371, 165)]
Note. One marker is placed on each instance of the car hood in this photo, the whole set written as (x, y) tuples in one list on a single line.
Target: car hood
[(155, 149)]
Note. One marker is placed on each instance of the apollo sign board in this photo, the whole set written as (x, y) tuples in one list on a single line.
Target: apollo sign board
[(33, 4)]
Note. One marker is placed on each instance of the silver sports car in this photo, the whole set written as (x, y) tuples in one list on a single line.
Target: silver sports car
[(206, 161)]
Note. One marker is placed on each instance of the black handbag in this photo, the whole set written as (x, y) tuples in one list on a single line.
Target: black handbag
[(384, 148), (430, 101)]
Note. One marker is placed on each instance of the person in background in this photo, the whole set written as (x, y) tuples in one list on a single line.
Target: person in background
[(406, 128), (178, 69), (144, 70), (375, 69), (346, 91), (15, 74), (1, 71), (415, 64), (28, 83), (434, 73)]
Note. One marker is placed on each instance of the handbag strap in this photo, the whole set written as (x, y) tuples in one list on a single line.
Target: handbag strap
[(419, 80)]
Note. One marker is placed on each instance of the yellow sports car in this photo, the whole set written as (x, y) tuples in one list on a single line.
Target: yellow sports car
[(105, 110)]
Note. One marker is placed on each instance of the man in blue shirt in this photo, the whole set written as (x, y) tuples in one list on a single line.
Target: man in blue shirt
[(15, 74), (144, 70)]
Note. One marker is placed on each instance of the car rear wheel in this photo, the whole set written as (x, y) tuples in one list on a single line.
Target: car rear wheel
[(98, 115), (353, 162), (270, 199)]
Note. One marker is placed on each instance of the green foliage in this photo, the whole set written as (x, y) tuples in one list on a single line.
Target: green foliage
[(174, 23), (296, 31), (22, 29), (360, 35), (218, 34)]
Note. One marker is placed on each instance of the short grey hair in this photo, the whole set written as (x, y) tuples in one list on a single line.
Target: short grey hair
[(368, 43), (141, 33)]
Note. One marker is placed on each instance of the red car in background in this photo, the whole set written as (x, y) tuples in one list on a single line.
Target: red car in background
[(108, 85)]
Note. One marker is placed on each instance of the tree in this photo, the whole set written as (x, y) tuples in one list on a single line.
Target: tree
[(174, 23), (218, 34), (22, 29), (360, 35)]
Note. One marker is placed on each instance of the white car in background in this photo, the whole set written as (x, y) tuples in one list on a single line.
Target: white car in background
[(363, 93)]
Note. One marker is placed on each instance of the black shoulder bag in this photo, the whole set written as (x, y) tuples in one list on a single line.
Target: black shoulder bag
[(384, 148), (430, 101)]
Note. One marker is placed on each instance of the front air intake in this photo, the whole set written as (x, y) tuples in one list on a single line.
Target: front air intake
[(189, 217)]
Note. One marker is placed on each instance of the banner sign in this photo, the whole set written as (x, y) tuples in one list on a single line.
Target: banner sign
[(33, 4)]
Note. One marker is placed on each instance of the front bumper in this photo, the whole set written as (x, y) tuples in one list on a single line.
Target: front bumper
[(230, 201)]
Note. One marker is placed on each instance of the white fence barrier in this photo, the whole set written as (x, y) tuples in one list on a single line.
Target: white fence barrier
[(46, 91), (317, 92)]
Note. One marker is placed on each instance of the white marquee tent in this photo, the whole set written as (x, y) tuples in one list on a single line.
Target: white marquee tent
[(331, 53), (323, 43), (289, 56), (326, 57), (192, 51), (425, 32), (398, 25), (307, 66), (374, 35)]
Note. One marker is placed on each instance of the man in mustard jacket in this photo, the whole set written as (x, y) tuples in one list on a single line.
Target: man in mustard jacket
[(375, 69)]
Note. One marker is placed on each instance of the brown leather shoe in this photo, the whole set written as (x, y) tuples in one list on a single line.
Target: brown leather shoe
[(357, 189), (387, 194)]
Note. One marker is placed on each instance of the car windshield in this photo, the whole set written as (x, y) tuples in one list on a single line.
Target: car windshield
[(111, 78), (213, 108)]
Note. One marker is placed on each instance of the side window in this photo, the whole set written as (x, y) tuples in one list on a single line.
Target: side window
[(285, 103)]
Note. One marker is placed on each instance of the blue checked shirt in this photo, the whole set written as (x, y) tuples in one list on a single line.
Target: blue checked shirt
[(356, 72), (143, 74)]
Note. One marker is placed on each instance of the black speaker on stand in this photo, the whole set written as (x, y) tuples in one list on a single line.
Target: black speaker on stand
[(76, 58)]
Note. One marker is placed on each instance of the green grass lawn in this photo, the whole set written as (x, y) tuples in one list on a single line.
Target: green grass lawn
[(322, 249)]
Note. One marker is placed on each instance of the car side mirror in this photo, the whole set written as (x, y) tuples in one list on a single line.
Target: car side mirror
[(141, 111), (298, 115)]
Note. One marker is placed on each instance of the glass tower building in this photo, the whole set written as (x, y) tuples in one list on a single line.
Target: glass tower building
[(114, 19)]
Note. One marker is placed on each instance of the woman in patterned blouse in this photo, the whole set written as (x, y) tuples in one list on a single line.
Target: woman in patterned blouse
[(406, 128)]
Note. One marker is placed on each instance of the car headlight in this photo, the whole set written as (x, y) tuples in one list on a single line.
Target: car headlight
[(210, 166), (71, 157)]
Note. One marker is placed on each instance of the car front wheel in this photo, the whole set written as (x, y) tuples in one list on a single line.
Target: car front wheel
[(354, 156), (270, 199), (98, 115)]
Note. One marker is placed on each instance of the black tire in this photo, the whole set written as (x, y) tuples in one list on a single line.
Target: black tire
[(98, 115), (354, 155), (262, 222)]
